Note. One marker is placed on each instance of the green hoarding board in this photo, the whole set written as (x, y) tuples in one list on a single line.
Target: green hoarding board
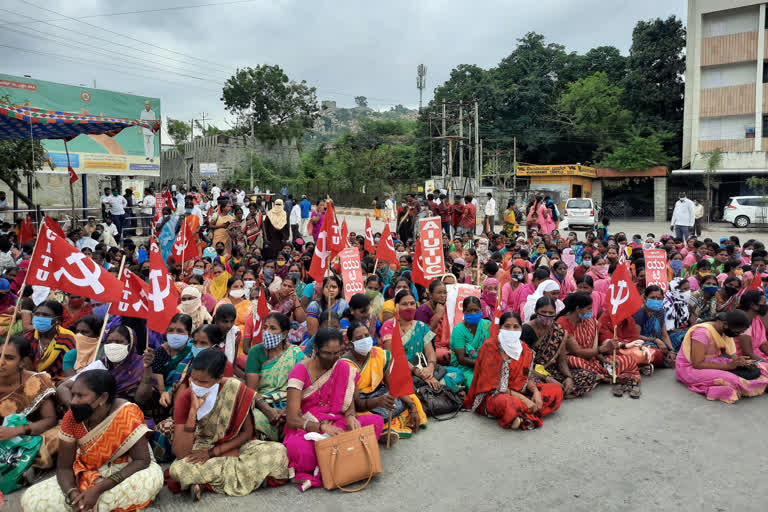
[(132, 152)]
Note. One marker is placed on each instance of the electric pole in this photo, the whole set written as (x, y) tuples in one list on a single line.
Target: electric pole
[(202, 122), (477, 145), (421, 75), (443, 143), (461, 141)]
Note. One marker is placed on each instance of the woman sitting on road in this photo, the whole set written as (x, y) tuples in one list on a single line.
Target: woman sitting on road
[(504, 386), (321, 398), (104, 458), (50, 341), (752, 342), (467, 338), (213, 439)]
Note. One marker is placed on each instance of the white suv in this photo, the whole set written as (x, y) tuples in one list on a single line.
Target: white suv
[(580, 211), (745, 210)]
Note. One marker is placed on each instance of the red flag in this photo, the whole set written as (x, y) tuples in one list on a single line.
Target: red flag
[(184, 247), (163, 296), (500, 305), (323, 249), (369, 237), (757, 281), (60, 266), (400, 380), (345, 234), (27, 232), (386, 249), (260, 219), (169, 200), (54, 226), (335, 239), (623, 298), (417, 274), (72, 175), (261, 312), (134, 297)]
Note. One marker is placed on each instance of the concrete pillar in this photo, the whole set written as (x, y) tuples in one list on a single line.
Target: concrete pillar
[(597, 191), (660, 199), (759, 80)]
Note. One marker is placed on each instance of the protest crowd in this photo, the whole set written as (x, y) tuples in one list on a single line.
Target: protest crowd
[(232, 335)]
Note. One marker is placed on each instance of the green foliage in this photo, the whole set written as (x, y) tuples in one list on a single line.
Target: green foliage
[(179, 131), (361, 101), (208, 130), (639, 153), (20, 159), (264, 96), (758, 183)]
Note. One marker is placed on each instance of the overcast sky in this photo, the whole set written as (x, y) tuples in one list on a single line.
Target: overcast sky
[(344, 48)]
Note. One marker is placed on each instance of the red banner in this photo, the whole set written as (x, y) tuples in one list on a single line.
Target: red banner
[(400, 380), (258, 321), (369, 245), (54, 226), (386, 249), (184, 247), (159, 205), (351, 273), (431, 241), (27, 231), (455, 301), (59, 266), (163, 297), (418, 268), (623, 298), (133, 297), (656, 268)]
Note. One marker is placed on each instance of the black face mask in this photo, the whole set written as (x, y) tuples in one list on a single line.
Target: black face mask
[(307, 264), (219, 251), (730, 291), (730, 333), (81, 412)]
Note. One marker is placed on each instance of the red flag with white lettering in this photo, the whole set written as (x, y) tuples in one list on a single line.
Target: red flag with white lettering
[(163, 296), (431, 243), (169, 200), (184, 247), (386, 249), (134, 297), (500, 305), (369, 237), (345, 234), (322, 255), (261, 312), (400, 380), (417, 274), (623, 298), (60, 266), (54, 226), (336, 242)]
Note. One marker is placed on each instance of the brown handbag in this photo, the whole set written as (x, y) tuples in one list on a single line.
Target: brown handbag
[(348, 457)]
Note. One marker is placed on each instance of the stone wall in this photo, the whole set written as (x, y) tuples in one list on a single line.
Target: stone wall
[(660, 199), (229, 153)]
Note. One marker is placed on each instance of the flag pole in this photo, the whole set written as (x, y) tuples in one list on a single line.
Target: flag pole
[(106, 317), (21, 292), (613, 366), (183, 241), (389, 428)]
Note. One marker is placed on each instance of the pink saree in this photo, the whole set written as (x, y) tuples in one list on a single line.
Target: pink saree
[(325, 399)]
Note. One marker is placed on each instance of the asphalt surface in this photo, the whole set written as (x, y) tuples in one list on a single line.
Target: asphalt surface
[(670, 450)]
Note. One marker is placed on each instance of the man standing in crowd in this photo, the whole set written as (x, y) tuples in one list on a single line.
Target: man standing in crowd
[(389, 206), (699, 214), (116, 205), (3, 205), (294, 219), (490, 214), (147, 210), (443, 209), (306, 209), (683, 217), (468, 213)]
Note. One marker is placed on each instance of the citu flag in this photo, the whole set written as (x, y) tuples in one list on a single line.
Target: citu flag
[(54, 226), (134, 296), (335, 239), (369, 244), (57, 264), (163, 296), (169, 200), (417, 273), (27, 231), (400, 380), (323, 250), (184, 247), (386, 249), (345, 234), (258, 319), (623, 298)]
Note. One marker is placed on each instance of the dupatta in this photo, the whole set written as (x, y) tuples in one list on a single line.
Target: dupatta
[(226, 419)]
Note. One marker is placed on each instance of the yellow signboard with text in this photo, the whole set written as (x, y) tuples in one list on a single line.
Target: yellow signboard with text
[(557, 170)]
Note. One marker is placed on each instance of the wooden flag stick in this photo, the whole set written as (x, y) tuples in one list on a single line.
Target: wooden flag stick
[(106, 318), (613, 366), (21, 291), (389, 428)]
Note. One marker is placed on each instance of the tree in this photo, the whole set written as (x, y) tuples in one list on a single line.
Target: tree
[(179, 131), (714, 160), (276, 107), (607, 59), (20, 159), (208, 129), (361, 101), (638, 153)]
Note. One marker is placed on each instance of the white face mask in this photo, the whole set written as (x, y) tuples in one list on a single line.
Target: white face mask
[(237, 294), (210, 395), (686, 295), (510, 343), (249, 284), (116, 352), (363, 346), (748, 252)]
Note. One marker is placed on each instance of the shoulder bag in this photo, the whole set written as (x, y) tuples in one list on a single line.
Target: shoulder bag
[(347, 458)]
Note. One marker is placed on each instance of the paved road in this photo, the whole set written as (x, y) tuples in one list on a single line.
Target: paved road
[(671, 450)]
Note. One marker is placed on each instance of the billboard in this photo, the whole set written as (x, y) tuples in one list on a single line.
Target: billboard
[(133, 152)]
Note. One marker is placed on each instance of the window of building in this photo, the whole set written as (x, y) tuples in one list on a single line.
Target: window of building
[(765, 125)]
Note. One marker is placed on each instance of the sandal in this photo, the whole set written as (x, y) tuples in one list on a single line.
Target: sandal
[(634, 391), (670, 360), (516, 423), (393, 438), (618, 390), (647, 370), (196, 492)]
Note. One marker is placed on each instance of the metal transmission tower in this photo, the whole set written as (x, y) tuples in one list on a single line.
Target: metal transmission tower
[(421, 78)]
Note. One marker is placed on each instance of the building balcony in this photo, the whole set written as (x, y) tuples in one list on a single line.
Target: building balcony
[(735, 145), (729, 49), (734, 100)]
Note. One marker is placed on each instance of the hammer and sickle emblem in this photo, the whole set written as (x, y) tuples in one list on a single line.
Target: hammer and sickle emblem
[(321, 249), (158, 294), (180, 248), (617, 299), (90, 277)]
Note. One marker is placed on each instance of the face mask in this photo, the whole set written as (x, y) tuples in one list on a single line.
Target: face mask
[(81, 412), (738, 272), (376, 239), (42, 323), (517, 277), (176, 341), (116, 352), (237, 294), (603, 269), (748, 252), (295, 276), (407, 314), (586, 263), (210, 397), (271, 340), (280, 263), (363, 346), (676, 265), (197, 350), (730, 333), (510, 343), (559, 277), (686, 295), (188, 210), (269, 274), (220, 251), (585, 316), (654, 304), (473, 318), (763, 309), (545, 321), (198, 271), (710, 289), (730, 291), (200, 391)]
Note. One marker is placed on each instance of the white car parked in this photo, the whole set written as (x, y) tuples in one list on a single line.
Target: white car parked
[(580, 211), (745, 210)]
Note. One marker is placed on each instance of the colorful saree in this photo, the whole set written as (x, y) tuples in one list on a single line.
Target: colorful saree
[(273, 383), (327, 398), (235, 473), (496, 375), (371, 384), (714, 384), (585, 335), (51, 361), (101, 452), (462, 338)]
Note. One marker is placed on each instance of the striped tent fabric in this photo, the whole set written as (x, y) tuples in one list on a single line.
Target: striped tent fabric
[(15, 123)]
